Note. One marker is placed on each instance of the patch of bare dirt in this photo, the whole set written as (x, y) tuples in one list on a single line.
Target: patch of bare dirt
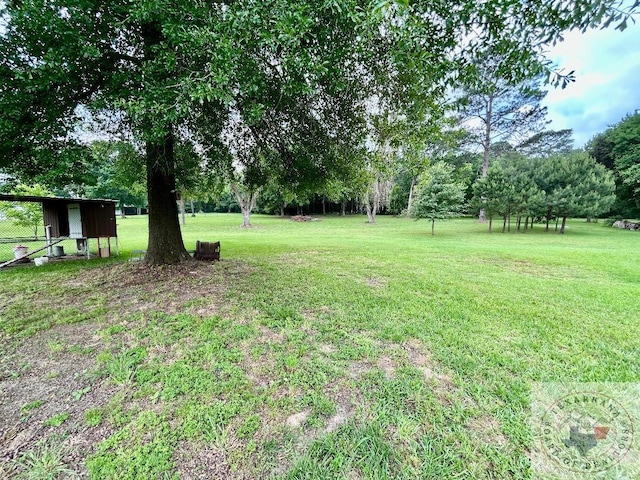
[(343, 412), (53, 382), (195, 287), (52, 373), (327, 348), (376, 282), (358, 368), (387, 366), (297, 419), (270, 336), (488, 430), (195, 463), (313, 314), (421, 360)]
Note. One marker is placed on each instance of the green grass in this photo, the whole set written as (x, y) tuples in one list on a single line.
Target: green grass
[(405, 355), (56, 420), (44, 462)]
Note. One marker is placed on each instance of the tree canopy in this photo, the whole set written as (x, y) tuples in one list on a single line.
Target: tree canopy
[(618, 148), (557, 186)]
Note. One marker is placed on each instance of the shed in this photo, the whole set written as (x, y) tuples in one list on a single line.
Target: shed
[(77, 218)]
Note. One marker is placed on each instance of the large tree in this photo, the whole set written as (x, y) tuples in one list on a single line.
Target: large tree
[(151, 64), (498, 110)]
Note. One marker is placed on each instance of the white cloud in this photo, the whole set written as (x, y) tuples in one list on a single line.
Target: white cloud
[(607, 86)]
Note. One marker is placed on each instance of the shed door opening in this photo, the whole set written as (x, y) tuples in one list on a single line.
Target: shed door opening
[(75, 221)]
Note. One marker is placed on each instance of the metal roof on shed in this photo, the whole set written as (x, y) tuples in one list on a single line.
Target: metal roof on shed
[(31, 198)]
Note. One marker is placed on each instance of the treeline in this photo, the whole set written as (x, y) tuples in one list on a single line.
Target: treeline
[(556, 187)]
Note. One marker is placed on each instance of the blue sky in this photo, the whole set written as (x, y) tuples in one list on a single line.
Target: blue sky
[(607, 86)]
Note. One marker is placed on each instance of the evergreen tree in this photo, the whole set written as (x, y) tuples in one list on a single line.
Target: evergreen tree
[(439, 195)]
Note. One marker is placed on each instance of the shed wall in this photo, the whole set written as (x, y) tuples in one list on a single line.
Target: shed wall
[(56, 215), (98, 219)]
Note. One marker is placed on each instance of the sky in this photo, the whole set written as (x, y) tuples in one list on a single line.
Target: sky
[(607, 86)]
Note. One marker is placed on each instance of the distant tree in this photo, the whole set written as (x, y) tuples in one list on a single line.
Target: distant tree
[(439, 195), (547, 143), (598, 193), (26, 214), (425, 143), (526, 197), (246, 182), (491, 193), (558, 187), (246, 197), (496, 109), (377, 192), (401, 192), (575, 185), (618, 148), (499, 109)]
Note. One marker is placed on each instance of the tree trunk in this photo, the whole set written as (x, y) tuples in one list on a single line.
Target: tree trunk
[(247, 201), (509, 222), (557, 220), (324, 206), (526, 224), (343, 207), (486, 144), (490, 222), (282, 209), (183, 220), (518, 221), (165, 238), (564, 222), (372, 201), (371, 213), (504, 223), (246, 220), (531, 223), (433, 226), (411, 190), (548, 218), (193, 211)]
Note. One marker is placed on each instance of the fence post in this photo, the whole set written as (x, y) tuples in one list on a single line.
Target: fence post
[(47, 233)]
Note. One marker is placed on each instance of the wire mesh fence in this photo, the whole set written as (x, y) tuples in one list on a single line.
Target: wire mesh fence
[(22, 225)]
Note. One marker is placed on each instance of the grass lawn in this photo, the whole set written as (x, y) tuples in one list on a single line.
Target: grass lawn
[(327, 349)]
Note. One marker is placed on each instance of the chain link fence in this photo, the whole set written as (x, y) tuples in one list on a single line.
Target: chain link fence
[(22, 225)]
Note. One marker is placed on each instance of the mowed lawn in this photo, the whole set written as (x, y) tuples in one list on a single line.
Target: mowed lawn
[(324, 349)]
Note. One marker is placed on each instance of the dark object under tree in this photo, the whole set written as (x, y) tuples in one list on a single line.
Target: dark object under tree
[(207, 250)]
